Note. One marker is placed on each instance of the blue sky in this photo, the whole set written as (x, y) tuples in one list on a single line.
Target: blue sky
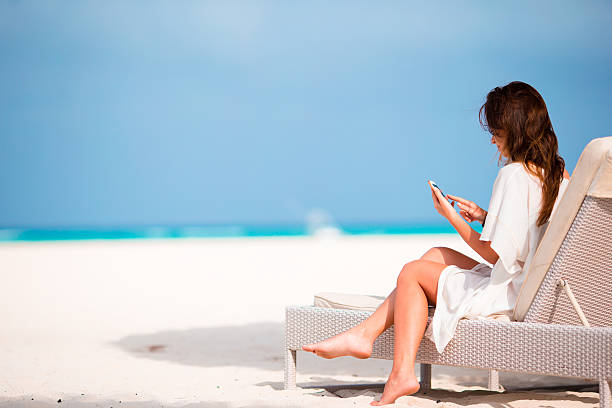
[(125, 113)]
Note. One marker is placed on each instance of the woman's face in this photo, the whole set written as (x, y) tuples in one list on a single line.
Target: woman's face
[(499, 138)]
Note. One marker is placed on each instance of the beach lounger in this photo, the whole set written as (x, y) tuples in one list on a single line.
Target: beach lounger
[(562, 322)]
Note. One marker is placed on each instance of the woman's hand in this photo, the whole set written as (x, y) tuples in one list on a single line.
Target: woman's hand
[(469, 210), (443, 206)]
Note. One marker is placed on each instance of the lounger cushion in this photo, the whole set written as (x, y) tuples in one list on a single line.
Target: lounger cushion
[(592, 176), (348, 301), (367, 303)]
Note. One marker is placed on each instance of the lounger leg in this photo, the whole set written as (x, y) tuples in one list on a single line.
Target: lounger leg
[(425, 377), (605, 400), (493, 380), (290, 368)]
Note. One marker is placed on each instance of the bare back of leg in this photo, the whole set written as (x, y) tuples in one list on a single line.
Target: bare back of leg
[(449, 256)]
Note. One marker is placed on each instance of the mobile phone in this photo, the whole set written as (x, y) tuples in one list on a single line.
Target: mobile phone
[(434, 185)]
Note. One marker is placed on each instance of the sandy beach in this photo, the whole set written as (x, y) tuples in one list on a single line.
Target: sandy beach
[(199, 323)]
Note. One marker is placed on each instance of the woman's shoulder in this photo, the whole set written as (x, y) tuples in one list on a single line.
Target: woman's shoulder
[(513, 170), (511, 167), (515, 177)]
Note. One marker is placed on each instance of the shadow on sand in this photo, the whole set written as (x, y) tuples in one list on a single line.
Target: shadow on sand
[(76, 402), (258, 345)]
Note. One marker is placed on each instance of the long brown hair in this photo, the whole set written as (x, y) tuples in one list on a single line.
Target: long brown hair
[(520, 111)]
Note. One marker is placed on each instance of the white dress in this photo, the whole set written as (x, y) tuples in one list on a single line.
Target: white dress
[(511, 227)]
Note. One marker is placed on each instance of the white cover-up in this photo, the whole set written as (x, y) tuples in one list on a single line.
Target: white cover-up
[(486, 292)]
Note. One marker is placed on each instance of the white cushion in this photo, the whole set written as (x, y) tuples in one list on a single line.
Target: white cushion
[(367, 303), (348, 301), (592, 176)]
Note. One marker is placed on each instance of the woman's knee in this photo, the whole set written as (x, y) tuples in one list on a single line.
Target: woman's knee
[(435, 254), (408, 272)]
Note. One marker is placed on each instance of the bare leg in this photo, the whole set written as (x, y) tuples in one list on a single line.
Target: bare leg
[(358, 341), (449, 256), (416, 287)]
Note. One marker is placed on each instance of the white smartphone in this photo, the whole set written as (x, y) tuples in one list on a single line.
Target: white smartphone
[(434, 185)]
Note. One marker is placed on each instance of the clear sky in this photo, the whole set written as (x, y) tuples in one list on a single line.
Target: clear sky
[(130, 113)]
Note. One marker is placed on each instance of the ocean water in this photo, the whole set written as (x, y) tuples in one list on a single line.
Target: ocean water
[(158, 232)]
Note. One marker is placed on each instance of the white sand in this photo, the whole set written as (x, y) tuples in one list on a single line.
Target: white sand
[(199, 323)]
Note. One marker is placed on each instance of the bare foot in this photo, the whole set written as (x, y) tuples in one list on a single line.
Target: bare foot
[(398, 385), (349, 343)]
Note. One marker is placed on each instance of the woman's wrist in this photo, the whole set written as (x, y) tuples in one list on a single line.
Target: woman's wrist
[(467, 233), (456, 221)]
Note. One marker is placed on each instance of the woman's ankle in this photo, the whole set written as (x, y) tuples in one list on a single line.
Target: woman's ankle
[(403, 369), (366, 333)]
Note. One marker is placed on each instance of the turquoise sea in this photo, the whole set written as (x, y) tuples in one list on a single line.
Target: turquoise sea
[(75, 234)]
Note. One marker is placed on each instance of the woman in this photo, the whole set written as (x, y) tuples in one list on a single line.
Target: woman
[(524, 196)]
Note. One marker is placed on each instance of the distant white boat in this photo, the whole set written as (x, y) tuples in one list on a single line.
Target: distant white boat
[(320, 223)]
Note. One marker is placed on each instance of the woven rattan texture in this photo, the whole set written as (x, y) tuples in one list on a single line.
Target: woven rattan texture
[(572, 351), (312, 324), (584, 260)]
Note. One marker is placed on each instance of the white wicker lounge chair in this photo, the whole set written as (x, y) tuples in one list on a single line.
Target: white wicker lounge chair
[(563, 317)]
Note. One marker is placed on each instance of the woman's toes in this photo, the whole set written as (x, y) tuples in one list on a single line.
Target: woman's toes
[(309, 347), (344, 344)]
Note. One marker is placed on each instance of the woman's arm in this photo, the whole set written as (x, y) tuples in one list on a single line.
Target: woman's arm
[(472, 238), (469, 235)]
